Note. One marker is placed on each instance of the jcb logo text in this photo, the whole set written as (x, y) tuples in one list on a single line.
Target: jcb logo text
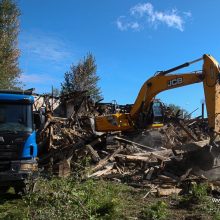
[(175, 82)]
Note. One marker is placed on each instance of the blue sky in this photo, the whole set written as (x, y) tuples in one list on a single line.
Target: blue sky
[(130, 40)]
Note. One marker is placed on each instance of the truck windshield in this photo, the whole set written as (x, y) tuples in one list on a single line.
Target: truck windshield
[(15, 117)]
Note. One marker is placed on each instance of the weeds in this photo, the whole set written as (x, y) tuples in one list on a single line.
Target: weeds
[(157, 211), (216, 216), (199, 192), (199, 201), (67, 199), (12, 207), (70, 199), (198, 195)]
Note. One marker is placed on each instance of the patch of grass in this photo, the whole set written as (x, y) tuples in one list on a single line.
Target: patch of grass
[(12, 207), (216, 216), (199, 192), (198, 195), (156, 211), (67, 199), (198, 201), (70, 199)]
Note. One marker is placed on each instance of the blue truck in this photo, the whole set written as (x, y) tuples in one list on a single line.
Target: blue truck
[(18, 147)]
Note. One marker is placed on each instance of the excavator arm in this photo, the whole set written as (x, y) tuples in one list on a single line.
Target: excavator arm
[(161, 82), (211, 72)]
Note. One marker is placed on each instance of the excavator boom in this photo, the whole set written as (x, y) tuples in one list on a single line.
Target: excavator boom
[(160, 83)]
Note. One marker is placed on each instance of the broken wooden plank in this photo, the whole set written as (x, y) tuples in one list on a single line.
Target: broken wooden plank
[(152, 190), (104, 161), (64, 168), (131, 158), (132, 142), (166, 179), (186, 129), (159, 157), (99, 173), (168, 192), (150, 173), (94, 154), (165, 153)]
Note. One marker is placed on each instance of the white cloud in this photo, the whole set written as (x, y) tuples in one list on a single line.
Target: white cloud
[(171, 19), (142, 9), (44, 46), (45, 79), (145, 13), (123, 25), (187, 14), (135, 25)]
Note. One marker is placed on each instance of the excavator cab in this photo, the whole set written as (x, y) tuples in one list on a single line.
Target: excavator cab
[(158, 114), (153, 118)]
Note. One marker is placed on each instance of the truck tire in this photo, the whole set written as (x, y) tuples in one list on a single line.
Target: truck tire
[(24, 188), (20, 188), (4, 189)]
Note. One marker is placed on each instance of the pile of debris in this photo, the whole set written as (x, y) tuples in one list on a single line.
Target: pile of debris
[(164, 171), (69, 142)]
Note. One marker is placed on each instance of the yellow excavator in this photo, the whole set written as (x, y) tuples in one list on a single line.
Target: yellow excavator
[(147, 112)]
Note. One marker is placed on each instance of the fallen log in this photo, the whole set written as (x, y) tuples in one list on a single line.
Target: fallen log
[(94, 154), (105, 161)]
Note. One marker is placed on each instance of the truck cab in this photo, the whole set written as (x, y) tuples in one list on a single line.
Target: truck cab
[(18, 147)]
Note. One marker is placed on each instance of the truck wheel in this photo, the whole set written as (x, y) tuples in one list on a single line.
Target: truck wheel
[(4, 189), (20, 189), (24, 188)]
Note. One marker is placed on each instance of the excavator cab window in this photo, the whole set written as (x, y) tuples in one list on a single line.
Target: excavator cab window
[(157, 110), (154, 116)]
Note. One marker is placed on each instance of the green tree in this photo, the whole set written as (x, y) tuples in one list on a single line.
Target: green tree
[(83, 77), (9, 53)]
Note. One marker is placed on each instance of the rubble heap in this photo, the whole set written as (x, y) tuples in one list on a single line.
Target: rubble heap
[(69, 143)]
